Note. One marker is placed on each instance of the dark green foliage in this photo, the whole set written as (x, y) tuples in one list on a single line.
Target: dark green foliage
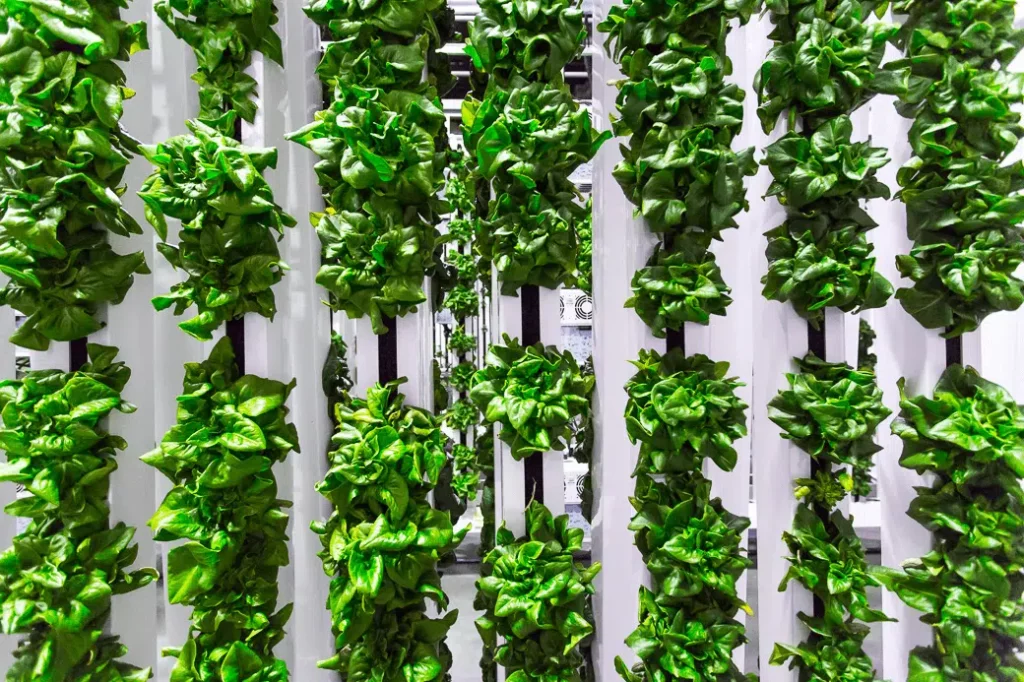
[(585, 256), (335, 377), (534, 598), (64, 156), (865, 340), (683, 410), (678, 167), (225, 517), (57, 581), (230, 226), (527, 136), (382, 149), (825, 64), (826, 61), (969, 438), (534, 41), (677, 286), (223, 34), (535, 393), (383, 540), (831, 412), (964, 206)]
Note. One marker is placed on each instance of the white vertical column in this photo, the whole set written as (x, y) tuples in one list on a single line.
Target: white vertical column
[(8, 524), (1000, 355), (904, 349), (57, 356), (554, 461), (779, 336), (364, 349), (415, 341), (174, 100), (782, 335), (728, 338), (509, 478), (622, 245), (299, 338), (130, 327)]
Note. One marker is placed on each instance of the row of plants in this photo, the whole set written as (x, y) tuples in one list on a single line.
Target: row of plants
[(684, 412), (831, 412), (967, 440), (461, 289), (223, 511), (962, 198), (382, 146), (68, 561), (678, 164), (383, 540), (534, 594), (528, 135), (64, 153), (680, 170), (824, 65), (383, 155), (460, 283)]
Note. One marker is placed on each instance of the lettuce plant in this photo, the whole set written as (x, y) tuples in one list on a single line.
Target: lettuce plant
[(678, 166), (533, 392), (462, 415), (383, 540), (826, 62), (534, 599), (830, 411), (223, 34), (467, 475), (335, 376), (62, 96), (533, 240), (820, 256), (677, 286), (585, 255), (230, 226), (381, 144), (66, 563), (963, 200), (533, 41), (969, 438), (684, 410), (459, 283), (224, 509), (528, 135)]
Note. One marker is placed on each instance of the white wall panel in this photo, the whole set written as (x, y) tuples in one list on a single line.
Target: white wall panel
[(904, 349), (622, 245), (8, 524), (130, 327)]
